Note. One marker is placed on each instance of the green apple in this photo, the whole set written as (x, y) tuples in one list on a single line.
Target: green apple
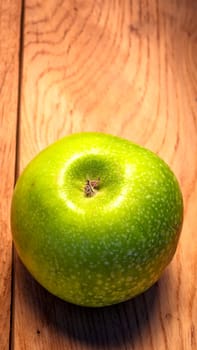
[(96, 218)]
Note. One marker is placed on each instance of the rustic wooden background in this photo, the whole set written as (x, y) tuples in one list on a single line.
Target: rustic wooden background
[(126, 67)]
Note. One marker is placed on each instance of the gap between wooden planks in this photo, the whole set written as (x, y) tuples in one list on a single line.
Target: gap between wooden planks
[(128, 68), (10, 14)]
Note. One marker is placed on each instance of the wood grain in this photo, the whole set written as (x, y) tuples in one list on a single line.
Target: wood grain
[(128, 68), (9, 66)]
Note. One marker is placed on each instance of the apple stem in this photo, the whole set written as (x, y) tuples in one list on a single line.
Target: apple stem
[(90, 186)]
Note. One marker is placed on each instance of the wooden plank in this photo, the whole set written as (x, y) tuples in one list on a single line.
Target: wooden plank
[(9, 51), (127, 68)]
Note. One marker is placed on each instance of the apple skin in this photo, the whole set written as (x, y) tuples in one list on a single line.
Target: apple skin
[(101, 249)]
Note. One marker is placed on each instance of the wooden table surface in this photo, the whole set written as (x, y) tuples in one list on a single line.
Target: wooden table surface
[(126, 67)]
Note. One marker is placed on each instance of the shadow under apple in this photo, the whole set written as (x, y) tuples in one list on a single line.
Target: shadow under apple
[(107, 327)]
